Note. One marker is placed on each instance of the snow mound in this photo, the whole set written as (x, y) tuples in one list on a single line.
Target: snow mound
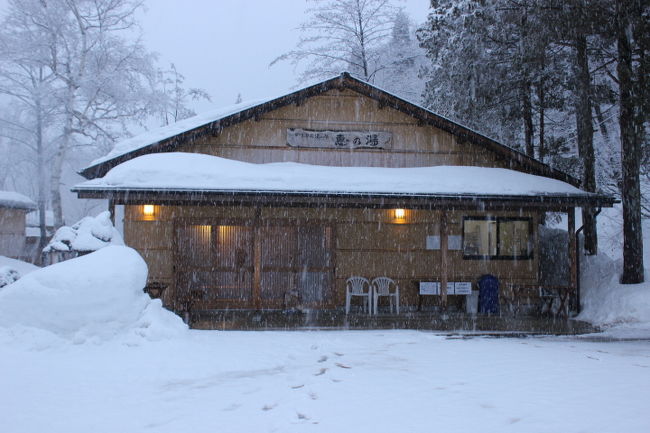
[(88, 234), (620, 308), (22, 267), (8, 275), (96, 297)]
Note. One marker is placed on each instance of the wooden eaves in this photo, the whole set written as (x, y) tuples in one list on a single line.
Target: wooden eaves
[(342, 200)]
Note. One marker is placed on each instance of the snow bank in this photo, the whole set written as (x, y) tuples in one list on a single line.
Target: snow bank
[(180, 171), (23, 268), (95, 297), (88, 234), (11, 270), (606, 302), (14, 200)]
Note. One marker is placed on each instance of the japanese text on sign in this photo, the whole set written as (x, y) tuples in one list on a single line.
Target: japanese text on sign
[(339, 139)]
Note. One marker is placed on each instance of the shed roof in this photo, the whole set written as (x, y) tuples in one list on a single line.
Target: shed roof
[(14, 200), (169, 138)]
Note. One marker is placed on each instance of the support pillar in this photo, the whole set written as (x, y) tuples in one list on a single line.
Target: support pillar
[(573, 257), (444, 260)]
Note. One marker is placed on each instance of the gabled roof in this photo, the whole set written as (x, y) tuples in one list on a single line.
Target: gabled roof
[(169, 138)]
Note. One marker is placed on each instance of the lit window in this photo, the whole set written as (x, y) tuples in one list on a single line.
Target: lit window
[(502, 238)]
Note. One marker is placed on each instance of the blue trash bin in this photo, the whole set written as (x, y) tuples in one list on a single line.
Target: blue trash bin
[(488, 295)]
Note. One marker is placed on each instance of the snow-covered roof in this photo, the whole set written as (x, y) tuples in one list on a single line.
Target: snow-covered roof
[(177, 171), (169, 137), (154, 136), (15, 200)]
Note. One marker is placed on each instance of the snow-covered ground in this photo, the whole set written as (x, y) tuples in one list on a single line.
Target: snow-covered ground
[(327, 381), (83, 349)]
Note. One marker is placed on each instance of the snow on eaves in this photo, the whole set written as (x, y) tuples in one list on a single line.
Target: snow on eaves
[(15, 200), (189, 171)]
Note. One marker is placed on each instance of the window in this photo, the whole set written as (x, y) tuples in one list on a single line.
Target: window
[(497, 238)]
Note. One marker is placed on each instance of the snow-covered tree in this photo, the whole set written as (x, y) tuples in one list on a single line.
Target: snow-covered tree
[(86, 58)]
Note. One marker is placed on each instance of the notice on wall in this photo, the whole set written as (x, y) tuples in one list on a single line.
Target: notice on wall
[(454, 242), (339, 139), (463, 288), (429, 288), (453, 288)]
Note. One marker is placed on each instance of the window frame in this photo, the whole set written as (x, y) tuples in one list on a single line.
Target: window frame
[(499, 220)]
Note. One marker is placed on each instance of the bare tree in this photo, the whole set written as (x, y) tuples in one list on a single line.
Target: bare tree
[(174, 98), (343, 35)]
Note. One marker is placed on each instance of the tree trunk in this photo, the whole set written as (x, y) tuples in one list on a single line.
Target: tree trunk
[(541, 149), (630, 152), (527, 113), (42, 184), (585, 132)]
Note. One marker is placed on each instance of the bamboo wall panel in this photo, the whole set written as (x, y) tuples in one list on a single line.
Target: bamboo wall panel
[(265, 140), (12, 232), (366, 242)]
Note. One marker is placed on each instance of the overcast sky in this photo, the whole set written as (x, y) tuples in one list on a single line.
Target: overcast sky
[(225, 46)]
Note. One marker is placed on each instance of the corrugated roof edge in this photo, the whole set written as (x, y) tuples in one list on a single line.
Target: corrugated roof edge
[(343, 81)]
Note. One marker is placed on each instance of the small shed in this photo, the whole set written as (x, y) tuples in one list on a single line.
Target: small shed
[(13, 207)]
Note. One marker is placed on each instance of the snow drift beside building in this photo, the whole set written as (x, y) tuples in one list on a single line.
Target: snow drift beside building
[(94, 298)]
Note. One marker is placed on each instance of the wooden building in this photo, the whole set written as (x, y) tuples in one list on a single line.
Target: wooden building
[(382, 187), (13, 208)]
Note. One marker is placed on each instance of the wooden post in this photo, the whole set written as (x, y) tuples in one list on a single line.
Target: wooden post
[(257, 268), (573, 262), (111, 209), (444, 244)]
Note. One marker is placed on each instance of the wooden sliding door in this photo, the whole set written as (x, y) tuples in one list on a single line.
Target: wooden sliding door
[(244, 265)]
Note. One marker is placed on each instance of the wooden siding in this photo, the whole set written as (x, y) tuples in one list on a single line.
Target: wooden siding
[(12, 232), (366, 242), (265, 139)]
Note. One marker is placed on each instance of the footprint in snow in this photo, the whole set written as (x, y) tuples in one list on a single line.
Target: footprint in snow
[(338, 364), (232, 407), (297, 386), (338, 353), (322, 358), (321, 372), (302, 416), (268, 407), (313, 396)]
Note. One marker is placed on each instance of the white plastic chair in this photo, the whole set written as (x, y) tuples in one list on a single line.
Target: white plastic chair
[(357, 286), (384, 286)]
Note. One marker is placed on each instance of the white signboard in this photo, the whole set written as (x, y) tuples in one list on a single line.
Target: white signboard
[(433, 242), (463, 288), (455, 242), (453, 288), (429, 288), (339, 139)]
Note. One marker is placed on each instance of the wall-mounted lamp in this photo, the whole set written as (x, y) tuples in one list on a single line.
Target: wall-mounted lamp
[(400, 214), (149, 212)]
